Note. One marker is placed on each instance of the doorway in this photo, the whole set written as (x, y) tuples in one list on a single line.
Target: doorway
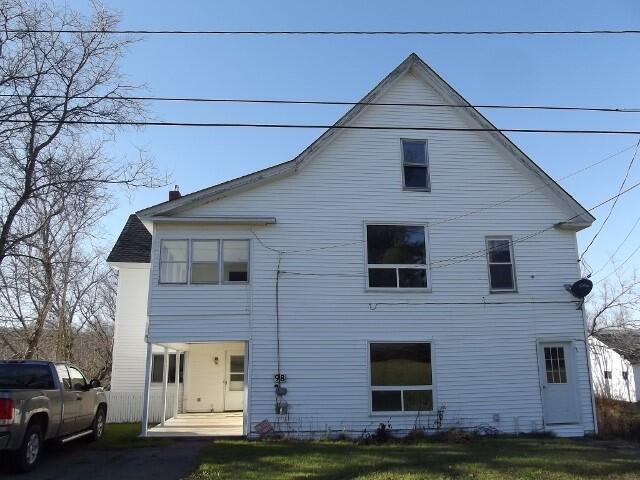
[(558, 381), (234, 382)]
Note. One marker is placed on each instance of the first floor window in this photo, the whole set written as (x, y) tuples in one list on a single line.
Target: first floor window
[(607, 374), (396, 256), (500, 258), (401, 377), (157, 368), (174, 256)]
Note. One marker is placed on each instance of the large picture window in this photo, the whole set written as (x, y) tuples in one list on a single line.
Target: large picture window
[(501, 268), (401, 377), (396, 256)]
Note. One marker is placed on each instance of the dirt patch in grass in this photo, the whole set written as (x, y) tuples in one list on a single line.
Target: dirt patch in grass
[(126, 435)]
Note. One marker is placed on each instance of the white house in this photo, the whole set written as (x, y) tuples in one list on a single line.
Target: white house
[(615, 361), (383, 275)]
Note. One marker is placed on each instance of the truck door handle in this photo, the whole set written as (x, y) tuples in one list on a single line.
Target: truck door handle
[(78, 397)]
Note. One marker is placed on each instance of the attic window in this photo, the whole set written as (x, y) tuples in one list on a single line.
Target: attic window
[(415, 165)]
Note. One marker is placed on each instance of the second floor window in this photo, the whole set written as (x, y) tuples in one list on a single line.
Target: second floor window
[(174, 255), (415, 165), (205, 266), (396, 256), (501, 269), (204, 262)]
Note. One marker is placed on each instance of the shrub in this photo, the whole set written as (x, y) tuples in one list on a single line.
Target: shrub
[(618, 420)]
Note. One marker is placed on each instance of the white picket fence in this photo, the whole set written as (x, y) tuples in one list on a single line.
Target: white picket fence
[(126, 407)]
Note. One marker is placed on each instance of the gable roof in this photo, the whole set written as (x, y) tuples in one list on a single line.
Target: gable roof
[(133, 244), (625, 342), (414, 63)]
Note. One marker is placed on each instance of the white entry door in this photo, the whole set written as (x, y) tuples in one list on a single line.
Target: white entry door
[(557, 372), (234, 382)]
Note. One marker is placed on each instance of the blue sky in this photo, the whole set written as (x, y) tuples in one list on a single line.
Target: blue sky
[(576, 70)]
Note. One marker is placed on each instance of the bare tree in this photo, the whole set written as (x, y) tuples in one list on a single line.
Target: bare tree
[(50, 84), (616, 306)]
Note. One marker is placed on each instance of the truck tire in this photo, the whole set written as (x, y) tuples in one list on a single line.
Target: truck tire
[(27, 456), (97, 428)]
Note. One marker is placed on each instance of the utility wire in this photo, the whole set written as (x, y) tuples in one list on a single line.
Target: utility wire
[(333, 32), (142, 123), (617, 268), (520, 195), (446, 262), (482, 252), (612, 256), (331, 102), (455, 217), (613, 206)]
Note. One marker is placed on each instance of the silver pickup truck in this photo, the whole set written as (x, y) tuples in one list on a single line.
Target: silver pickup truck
[(41, 401)]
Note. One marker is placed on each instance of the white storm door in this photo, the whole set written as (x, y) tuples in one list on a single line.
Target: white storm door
[(557, 377), (234, 382)]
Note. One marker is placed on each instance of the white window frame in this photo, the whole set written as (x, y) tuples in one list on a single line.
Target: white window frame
[(397, 266), (188, 261), (509, 239), (372, 388), (426, 164)]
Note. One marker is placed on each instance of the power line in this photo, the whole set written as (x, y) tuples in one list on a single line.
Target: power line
[(612, 256), (482, 252), (476, 253), (613, 206), (333, 32), (332, 102), (458, 258), (142, 123), (374, 305), (617, 269), (520, 195)]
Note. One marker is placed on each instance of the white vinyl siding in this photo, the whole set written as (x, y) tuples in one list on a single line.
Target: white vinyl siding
[(326, 314)]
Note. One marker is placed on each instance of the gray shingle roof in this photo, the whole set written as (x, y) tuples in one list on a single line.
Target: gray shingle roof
[(133, 244), (624, 341)]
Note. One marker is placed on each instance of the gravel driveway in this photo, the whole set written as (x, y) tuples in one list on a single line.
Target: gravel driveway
[(75, 461)]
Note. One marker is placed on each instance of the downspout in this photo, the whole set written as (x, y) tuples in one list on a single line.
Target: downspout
[(587, 348)]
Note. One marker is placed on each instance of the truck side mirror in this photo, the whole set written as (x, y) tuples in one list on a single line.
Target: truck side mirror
[(95, 383)]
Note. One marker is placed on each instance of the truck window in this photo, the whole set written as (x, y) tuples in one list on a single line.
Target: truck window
[(63, 374), (78, 381), (25, 377)]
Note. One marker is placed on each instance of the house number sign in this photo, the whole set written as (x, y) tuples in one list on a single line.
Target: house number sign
[(280, 378)]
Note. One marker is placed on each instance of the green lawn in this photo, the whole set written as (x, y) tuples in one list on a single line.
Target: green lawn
[(125, 435), (523, 458)]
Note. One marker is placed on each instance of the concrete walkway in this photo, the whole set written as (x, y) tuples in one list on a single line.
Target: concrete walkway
[(225, 424), (76, 461)]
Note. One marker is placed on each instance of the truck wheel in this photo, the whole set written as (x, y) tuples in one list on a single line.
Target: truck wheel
[(99, 421), (29, 453)]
